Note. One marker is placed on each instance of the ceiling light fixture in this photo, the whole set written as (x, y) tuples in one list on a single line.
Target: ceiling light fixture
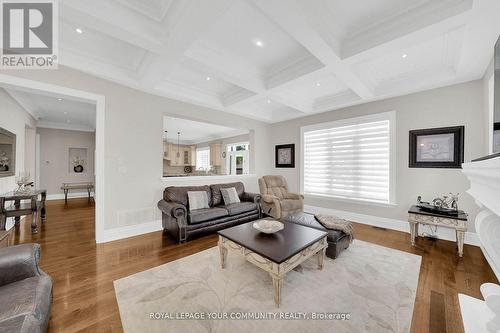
[(65, 112), (68, 121), (404, 55), (78, 30), (318, 84), (208, 78), (59, 99), (268, 101), (258, 43)]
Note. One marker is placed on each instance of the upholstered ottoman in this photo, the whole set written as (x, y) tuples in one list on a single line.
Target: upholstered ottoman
[(338, 241)]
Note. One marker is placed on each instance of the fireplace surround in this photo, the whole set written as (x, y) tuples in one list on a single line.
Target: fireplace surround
[(484, 176)]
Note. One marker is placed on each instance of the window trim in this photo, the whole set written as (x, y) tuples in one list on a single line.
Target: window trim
[(203, 149), (389, 115)]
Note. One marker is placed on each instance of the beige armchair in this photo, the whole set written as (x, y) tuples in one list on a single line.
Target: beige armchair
[(276, 201)]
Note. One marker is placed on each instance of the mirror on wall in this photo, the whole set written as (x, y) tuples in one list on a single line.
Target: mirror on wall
[(194, 148), (496, 112), (7, 153)]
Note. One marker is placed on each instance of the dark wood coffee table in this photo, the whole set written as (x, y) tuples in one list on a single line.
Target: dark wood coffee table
[(276, 253)]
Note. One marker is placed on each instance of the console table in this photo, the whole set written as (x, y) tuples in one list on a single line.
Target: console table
[(66, 187), (20, 209), (418, 216)]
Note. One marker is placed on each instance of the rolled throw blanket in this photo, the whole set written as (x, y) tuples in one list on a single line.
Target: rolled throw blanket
[(335, 223)]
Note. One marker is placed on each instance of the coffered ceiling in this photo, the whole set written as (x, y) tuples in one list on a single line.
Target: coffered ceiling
[(274, 60)]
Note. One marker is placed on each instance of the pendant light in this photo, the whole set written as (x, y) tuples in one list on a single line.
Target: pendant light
[(178, 136)]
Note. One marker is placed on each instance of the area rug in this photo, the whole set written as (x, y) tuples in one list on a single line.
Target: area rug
[(369, 288)]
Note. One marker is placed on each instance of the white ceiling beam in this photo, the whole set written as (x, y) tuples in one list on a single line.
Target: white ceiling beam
[(291, 17), (231, 68), (185, 22), (115, 21), (26, 104), (418, 25)]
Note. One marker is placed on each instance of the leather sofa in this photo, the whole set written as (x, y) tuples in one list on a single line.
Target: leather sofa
[(182, 224), (337, 240), (25, 290), (277, 201)]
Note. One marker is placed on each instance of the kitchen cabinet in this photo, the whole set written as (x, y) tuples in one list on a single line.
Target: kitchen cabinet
[(215, 154), (185, 157)]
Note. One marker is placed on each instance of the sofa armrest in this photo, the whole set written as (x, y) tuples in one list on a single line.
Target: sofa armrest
[(19, 262), (173, 209), (294, 196), (269, 198), (251, 197)]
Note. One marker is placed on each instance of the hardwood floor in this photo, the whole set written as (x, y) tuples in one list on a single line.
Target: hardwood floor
[(83, 272)]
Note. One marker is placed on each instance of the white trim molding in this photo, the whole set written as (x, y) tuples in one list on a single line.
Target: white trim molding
[(114, 234), (60, 196), (100, 102), (388, 223), (382, 116)]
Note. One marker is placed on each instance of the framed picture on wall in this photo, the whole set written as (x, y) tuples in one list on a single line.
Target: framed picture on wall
[(285, 156), (437, 148), (496, 138)]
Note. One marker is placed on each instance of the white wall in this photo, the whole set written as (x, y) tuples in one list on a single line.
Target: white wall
[(133, 143), (54, 158), (29, 151), (14, 118), (450, 106)]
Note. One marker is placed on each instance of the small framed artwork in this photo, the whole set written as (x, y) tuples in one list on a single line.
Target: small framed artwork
[(496, 137), (437, 147), (285, 156)]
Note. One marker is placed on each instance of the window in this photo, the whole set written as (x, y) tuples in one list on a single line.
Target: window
[(237, 158), (203, 158), (350, 159)]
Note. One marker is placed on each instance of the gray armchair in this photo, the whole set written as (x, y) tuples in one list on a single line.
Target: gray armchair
[(276, 201), (25, 290)]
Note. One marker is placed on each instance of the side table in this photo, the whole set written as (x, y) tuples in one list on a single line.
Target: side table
[(20, 209), (418, 216)]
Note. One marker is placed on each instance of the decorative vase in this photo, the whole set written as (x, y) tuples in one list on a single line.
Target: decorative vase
[(78, 168)]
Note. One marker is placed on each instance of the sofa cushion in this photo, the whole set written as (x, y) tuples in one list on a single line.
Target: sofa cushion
[(28, 297), (229, 195), (178, 194), (197, 200), (217, 196), (291, 204), (240, 207), (206, 214)]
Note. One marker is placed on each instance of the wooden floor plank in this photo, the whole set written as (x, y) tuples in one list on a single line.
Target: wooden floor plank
[(83, 272)]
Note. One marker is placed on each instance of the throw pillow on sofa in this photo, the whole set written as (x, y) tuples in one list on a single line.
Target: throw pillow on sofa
[(229, 195), (197, 200)]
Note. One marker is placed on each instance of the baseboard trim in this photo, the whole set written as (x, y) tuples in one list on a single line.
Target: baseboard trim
[(471, 238), (110, 235), (60, 196)]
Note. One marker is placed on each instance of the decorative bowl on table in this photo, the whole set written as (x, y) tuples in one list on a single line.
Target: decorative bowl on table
[(268, 226)]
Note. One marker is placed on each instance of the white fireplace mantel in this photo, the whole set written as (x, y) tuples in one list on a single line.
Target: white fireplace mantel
[(478, 315), (484, 179)]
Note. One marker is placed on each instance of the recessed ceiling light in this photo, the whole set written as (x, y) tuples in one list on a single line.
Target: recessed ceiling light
[(404, 55), (59, 99), (208, 78), (65, 112), (78, 30), (258, 43), (318, 84), (68, 121), (268, 101)]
